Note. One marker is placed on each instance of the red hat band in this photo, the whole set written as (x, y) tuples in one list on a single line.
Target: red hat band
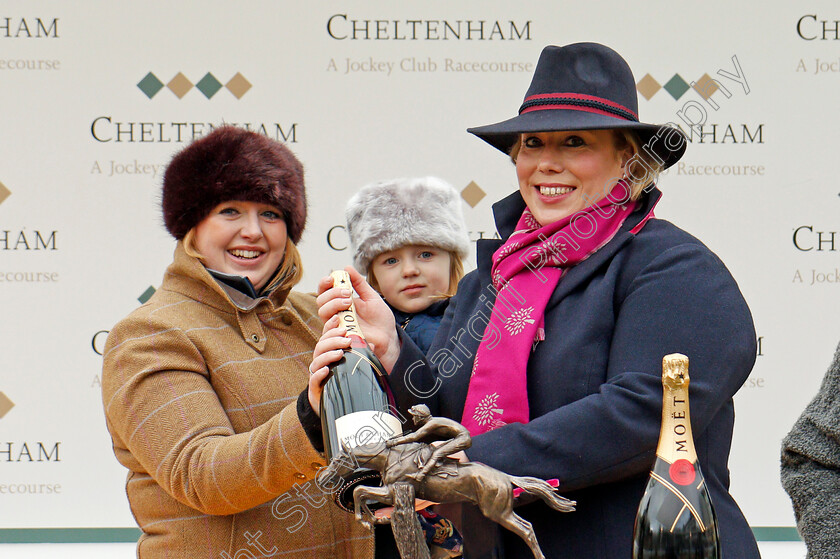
[(577, 102)]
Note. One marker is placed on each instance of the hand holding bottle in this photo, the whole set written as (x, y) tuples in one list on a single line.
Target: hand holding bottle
[(356, 404), (375, 319), (329, 349)]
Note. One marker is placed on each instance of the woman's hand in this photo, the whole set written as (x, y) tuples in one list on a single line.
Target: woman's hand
[(328, 350), (375, 318)]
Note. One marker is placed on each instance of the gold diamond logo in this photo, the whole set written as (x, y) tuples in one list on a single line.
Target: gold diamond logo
[(238, 85), (179, 85), (4, 192), (5, 405), (648, 86), (705, 86), (473, 194)]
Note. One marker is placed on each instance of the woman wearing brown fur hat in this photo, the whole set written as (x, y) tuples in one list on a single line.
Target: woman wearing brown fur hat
[(200, 384)]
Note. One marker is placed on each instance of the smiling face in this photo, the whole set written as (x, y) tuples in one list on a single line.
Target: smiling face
[(412, 277), (561, 173), (243, 238)]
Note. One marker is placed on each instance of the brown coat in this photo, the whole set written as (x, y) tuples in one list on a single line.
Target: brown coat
[(200, 387)]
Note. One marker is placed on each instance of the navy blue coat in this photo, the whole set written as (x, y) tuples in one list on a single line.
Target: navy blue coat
[(421, 327), (594, 384)]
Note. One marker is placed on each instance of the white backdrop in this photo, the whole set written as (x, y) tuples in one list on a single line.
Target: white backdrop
[(85, 135)]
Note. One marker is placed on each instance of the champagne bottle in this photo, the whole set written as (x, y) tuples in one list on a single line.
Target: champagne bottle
[(356, 403), (676, 519)]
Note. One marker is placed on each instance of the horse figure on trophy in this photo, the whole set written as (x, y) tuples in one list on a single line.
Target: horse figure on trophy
[(440, 479)]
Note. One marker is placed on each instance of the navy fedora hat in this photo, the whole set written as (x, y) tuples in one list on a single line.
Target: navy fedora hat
[(583, 86)]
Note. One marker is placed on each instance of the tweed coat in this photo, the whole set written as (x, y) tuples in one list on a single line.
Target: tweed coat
[(594, 384), (811, 468), (199, 387)]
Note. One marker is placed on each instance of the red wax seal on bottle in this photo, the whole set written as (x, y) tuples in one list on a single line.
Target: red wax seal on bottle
[(682, 472)]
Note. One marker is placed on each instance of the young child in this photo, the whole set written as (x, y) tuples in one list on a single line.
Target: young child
[(409, 238)]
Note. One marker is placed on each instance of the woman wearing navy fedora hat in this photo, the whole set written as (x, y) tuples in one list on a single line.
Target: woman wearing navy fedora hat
[(551, 351)]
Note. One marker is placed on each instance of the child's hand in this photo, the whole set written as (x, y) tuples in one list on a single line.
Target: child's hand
[(375, 318)]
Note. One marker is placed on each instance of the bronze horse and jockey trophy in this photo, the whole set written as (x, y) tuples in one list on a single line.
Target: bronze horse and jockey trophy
[(412, 468)]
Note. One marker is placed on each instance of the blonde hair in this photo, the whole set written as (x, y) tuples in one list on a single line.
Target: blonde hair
[(642, 169), (288, 274), (456, 272)]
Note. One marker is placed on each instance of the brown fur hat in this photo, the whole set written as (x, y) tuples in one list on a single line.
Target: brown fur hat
[(229, 164)]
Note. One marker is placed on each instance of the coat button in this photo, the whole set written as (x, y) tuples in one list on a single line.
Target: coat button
[(316, 466), (287, 320), (299, 475), (255, 338)]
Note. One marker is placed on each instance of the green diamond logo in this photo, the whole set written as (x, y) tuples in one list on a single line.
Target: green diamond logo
[(676, 86), (150, 85), (146, 295), (209, 85)]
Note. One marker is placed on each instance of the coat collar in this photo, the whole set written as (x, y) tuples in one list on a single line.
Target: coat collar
[(435, 309), (189, 277), (507, 212)]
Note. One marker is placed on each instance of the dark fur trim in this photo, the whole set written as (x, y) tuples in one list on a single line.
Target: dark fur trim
[(232, 164)]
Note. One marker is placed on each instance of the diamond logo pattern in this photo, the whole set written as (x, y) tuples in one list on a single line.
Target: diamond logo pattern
[(4, 192), (238, 85), (5, 405), (146, 295), (648, 86), (676, 86), (180, 85), (472, 194), (208, 85), (705, 86), (150, 85)]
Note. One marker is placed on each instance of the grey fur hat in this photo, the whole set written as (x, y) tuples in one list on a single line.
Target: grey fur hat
[(389, 214)]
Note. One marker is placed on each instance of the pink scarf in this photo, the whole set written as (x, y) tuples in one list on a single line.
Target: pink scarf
[(525, 273)]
